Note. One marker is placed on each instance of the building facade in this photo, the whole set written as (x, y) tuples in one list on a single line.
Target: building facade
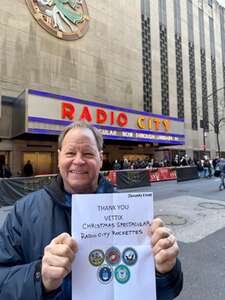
[(161, 61)]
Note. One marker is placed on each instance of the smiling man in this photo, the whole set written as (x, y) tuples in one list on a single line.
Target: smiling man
[(36, 248), (80, 160)]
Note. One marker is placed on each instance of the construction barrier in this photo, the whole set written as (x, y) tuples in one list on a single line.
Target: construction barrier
[(140, 177), (187, 173), (111, 176), (11, 189), (162, 174), (126, 179)]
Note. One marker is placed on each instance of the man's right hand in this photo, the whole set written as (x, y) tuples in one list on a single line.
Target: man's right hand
[(57, 261)]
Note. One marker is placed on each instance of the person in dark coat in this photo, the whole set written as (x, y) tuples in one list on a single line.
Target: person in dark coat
[(6, 171), (36, 247), (221, 167), (28, 169)]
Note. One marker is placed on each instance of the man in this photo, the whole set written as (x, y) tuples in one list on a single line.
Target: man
[(207, 168), (221, 167), (36, 249), (28, 169)]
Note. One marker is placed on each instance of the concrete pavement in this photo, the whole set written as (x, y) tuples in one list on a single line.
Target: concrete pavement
[(195, 211)]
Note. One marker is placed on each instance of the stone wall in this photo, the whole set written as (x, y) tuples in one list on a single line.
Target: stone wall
[(105, 65)]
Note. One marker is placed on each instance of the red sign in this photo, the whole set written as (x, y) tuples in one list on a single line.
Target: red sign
[(203, 147), (154, 175), (100, 116), (161, 174)]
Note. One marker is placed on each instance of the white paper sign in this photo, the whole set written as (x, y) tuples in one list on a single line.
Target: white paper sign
[(114, 260)]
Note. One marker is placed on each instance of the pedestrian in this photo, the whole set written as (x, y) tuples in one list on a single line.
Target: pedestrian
[(175, 161), (28, 169), (6, 171), (116, 165), (200, 168), (214, 162), (37, 249), (1, 170), (207, 168), (125, 164), (183, 161), (221, 167)]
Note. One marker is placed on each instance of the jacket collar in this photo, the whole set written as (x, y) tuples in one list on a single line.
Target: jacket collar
[(58, 193)]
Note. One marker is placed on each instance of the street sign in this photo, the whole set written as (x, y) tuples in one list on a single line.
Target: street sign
[(203, 147)]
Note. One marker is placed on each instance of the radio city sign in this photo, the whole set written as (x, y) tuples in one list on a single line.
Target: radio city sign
[(48, 113), (111, 117)]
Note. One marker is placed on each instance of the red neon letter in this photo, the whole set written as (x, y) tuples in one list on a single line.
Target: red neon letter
[(122, 119), (85, 115), (111, 117), (157, 123), (68, 111), (101, 115)]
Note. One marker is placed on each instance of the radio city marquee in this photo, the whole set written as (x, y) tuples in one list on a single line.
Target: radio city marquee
[(48, 113)]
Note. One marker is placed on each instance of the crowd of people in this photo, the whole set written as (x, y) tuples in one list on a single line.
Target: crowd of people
[(5, 171), (152, 163), (135, 164), (182, 161), (206, 167)]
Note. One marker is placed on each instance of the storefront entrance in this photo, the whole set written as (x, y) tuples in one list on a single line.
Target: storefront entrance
[(41, 162)]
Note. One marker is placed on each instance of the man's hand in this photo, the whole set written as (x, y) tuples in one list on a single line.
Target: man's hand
[(164, 246), (57, 261)]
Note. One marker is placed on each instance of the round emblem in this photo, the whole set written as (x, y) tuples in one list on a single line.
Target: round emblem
[(129, 256), (65, 19), (113, 256), (96, 257), (105, 274), (122, 274)]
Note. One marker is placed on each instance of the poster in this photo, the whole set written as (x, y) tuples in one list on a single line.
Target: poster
[(114, 259)]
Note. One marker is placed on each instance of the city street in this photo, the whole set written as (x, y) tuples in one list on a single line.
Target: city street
[(195, 210)]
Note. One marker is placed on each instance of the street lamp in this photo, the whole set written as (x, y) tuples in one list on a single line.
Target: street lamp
[(215, 92)]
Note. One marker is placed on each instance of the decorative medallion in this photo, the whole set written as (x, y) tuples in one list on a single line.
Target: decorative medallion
[(130, 256), (65, 19), (113, 256), (96, 257), (105, 274), (122, 274)]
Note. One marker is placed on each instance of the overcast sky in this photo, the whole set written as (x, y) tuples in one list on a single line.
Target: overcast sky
[(222, 2)]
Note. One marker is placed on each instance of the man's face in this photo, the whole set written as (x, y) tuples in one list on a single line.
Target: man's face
[(79, 161)]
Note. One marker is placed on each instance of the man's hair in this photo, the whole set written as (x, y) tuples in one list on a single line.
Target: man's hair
[(96, 133)]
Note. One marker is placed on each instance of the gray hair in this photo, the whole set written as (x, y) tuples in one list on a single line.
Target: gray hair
[(96, 133)]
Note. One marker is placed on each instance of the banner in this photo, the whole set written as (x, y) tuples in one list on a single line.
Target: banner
[(161, 174), (13, 189), (114, 249), (187, 173), (132, 178), (111, 176)]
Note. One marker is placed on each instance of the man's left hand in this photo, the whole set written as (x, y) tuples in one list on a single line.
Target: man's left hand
[(164, 246)]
